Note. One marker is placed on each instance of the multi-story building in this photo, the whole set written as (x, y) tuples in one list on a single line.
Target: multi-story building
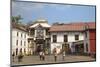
[(39, 36), (73, 37), (19, 39)]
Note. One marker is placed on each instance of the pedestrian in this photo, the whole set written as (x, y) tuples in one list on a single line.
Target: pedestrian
[(55, 54), (20, 57), (63, 54), (40, 54), (13, 55), (43, 55)]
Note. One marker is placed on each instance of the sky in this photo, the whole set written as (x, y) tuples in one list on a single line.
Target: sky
[(63, 13)]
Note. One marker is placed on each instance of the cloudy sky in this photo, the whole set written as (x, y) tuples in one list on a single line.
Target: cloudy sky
[(31, 11)]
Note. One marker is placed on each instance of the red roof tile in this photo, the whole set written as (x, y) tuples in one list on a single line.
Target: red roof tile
[(72, 27)]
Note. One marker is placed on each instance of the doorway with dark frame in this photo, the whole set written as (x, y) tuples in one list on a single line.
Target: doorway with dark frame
[(79, 49)]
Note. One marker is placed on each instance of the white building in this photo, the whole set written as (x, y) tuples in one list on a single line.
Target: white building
[(19, 39), (69, 37)]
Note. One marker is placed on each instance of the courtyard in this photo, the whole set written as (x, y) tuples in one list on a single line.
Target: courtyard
[(50, 32), (50, 59)]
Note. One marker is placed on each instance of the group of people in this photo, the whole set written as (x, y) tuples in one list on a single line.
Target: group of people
[(56, 54), (41, 55)]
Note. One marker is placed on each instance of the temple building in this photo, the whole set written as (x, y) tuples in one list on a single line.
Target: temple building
[(39, 36)]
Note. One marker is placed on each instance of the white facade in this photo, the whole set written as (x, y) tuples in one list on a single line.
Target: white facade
[(19, 41), (60, 39)]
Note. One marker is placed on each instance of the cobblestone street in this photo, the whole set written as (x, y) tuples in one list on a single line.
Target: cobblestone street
[(50, 59)]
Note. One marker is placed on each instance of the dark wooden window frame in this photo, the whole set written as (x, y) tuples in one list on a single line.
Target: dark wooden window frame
[(54, 38), (65, 38), (77, 37)]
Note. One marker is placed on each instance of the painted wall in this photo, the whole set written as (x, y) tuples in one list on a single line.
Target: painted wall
[(92, 40)]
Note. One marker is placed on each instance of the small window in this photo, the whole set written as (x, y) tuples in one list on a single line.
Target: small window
[(16, 51), (17, 42), (54, 38), (24, 43), (76, 37), (21, 43), (17, 34), (65, 38), (21, 50), (25, 35), (21, 34)]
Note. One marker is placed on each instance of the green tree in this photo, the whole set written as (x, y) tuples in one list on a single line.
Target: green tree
[(16, 19)]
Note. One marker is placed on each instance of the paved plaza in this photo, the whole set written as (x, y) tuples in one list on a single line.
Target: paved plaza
[(50, 59)]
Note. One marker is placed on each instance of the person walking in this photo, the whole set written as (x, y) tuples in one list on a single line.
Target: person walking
[(63, 54), (55, 54), (40, 54), (43, 55)]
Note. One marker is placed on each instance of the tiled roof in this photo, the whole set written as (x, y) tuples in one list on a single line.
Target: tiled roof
[(19, 26), (92, 25), (72, 27)]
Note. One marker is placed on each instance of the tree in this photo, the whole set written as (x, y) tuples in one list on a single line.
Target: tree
[(16, 19), (13, 19)]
